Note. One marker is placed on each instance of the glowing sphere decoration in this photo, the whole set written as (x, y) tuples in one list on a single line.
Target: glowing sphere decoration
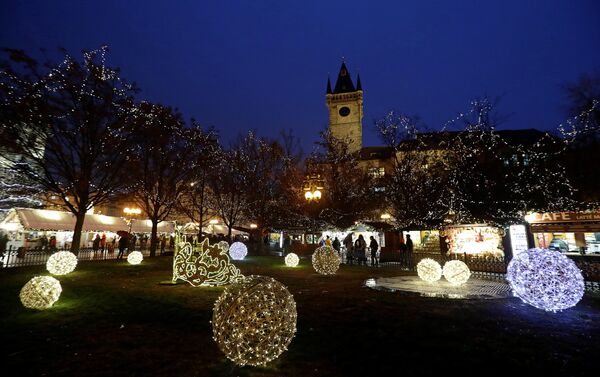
[(545, 279), (135, 257), (326, 261), (254, 320), (223, 245), (61, 263), (456, 272), (429, 270), (291, 260), (41, 292), (238, 251)]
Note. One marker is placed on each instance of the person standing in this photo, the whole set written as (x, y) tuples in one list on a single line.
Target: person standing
[(96, 243), (360, 246), (348, 245), (328, 241), (122, 246), (103, 243), (336, 245), (409, 250), (3, 244), (374, 246)]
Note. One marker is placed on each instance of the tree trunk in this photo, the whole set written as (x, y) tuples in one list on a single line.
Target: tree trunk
[(153, 237), (80, 218), (229, 228)]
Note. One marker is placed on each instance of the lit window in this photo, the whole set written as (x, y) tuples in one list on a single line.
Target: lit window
[(376, 172)]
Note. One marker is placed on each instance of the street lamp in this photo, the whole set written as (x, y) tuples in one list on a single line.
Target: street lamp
[(313, 184), (130, 212)]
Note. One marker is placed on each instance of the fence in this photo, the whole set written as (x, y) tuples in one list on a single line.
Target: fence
[(31, 257)]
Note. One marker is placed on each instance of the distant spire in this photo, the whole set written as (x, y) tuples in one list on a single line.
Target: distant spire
[(344, 82), (329, 86), (358, 84)]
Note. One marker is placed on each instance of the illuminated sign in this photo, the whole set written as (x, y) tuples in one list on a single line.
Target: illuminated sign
[(518, 239), (562, 217)]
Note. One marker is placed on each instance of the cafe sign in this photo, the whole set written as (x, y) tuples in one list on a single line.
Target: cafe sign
[(562, 217)]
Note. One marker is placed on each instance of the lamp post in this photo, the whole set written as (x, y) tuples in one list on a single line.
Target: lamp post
[(312, 187), (130, 213)]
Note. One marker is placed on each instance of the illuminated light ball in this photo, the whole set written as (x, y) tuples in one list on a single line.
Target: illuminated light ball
[(41, 292), (135, 257), (238, 251), (61, 263), (254, 320), (291, 260), (429, 270), (545, 279), (456, 272), (326, 261), (224, 245)]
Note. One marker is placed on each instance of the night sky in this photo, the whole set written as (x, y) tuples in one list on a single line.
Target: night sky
[(263, 65)]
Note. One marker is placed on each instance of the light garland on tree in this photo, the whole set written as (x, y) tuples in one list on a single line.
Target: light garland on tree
[(291, 260), (61, 263), (429, 270), (135, 257), (326, 261), (545, 279), (204, 264), (254, 320), (41, 292), (238, 251), (456, 272)]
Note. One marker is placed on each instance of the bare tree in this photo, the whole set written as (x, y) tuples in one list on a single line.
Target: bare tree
[(161, 169), (69, 126)]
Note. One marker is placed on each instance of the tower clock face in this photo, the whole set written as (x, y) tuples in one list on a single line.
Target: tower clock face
[(345, 111)]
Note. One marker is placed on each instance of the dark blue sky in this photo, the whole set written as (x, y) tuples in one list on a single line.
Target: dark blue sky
[(263, 65)]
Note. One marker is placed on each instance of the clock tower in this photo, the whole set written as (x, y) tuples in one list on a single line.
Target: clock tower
[(345, 104)]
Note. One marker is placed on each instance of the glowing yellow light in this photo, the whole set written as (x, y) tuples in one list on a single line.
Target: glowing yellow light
[(61, 263), (132, 211), (50, 215), (456, 272), (291, 260), (317, 195), (214, 221), (429, 270), (254, 320), (41, 292), (106, 219), (326, 261), (10, 227), (253, 226), (308, 195), (530, 217), (135, 257), (386, 216)]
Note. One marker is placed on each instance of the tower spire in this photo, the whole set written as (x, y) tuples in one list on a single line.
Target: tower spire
[(344, 83), (358, 84), (329, 86)]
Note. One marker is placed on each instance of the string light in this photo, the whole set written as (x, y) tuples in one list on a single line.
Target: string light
[(238, 251), (254, 320), (545, 279), (204, 264), (135, 257), (326, 261), (429, 270), (291, 260), (61, 263), (41, 292), (456, 272)]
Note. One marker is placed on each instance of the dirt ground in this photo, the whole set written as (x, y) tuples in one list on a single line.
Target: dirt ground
[(114, 319)]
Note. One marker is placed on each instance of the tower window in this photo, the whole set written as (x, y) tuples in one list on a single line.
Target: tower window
[(344, 111)]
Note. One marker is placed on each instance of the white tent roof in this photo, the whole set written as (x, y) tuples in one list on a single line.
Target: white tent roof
[(41, 219), (145, 226)]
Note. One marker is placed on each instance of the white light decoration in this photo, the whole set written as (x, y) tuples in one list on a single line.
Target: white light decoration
[(238, 251), (41, 292), (429, 270), (456, 272), (545, 279), (61, 263), (291, 260), (224, 245), (254, 320), (326, 261), (135, 257), (203, 264)]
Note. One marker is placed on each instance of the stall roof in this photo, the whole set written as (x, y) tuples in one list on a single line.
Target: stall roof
[(41, 219), (145, 226)]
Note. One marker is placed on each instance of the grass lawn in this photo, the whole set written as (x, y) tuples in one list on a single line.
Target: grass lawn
[(114, 319)]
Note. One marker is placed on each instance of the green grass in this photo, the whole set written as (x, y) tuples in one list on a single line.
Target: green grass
[(115, 319)]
